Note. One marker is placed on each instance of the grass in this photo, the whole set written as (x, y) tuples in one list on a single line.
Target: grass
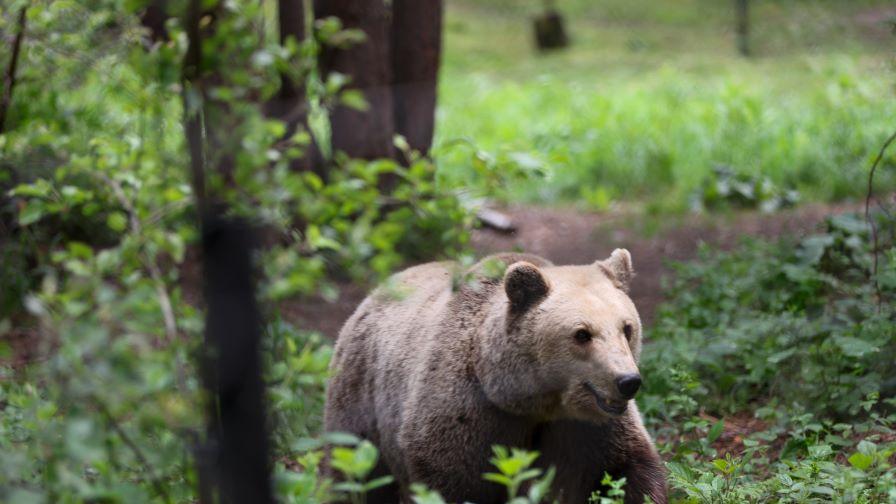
[(652, 96)]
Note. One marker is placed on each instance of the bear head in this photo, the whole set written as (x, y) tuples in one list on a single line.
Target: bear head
[(565, 343)]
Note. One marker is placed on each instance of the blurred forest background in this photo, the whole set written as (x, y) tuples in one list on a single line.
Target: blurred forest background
[(737, 148)]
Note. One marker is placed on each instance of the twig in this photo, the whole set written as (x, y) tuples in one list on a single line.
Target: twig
[(868, 196), (138, 453), (10, 80), (154, 272)]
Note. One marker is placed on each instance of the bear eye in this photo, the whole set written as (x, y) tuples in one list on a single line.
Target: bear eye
[(582, 336), (627, 330)]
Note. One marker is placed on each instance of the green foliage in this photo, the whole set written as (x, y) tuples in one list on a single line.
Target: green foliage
[(801, 335), (651, 96), (602, 143), (615, 491), (727, 189), (101, 261), (800, 324), (828, 467), (514, 470), (99, 271)]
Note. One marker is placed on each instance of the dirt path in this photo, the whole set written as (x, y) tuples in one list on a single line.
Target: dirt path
[(570, 236)]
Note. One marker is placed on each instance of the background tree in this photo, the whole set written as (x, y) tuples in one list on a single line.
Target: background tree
[(291, 102), (367, 133), (416, 55), (742, 17)]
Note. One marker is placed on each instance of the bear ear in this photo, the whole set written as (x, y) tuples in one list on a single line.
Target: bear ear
[(619, 268), (524, 285)]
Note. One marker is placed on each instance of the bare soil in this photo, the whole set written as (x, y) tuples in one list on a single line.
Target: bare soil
[(572, 236)]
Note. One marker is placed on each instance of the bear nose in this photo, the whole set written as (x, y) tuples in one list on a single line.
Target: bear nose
[(628, 385)]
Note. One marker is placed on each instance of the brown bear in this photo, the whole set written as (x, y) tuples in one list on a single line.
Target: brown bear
[(436, 367)]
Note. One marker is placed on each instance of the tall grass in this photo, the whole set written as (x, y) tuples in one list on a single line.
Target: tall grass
[(663, 133), (644, 107)]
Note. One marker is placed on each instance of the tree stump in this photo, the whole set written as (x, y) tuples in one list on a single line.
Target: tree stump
[(550, 31)]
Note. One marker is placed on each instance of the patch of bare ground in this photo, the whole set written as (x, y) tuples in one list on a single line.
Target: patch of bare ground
[(572, 236)]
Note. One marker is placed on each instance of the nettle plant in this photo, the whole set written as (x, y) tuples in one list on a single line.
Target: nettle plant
[(802, 336), (801, 324), (354, 459)]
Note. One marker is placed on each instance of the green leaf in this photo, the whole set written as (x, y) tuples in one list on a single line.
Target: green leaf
[(715, 431), (378, 482), (820, 451), (497, 478), (117, 221), (33, 212), (354, 99), (860, 460)]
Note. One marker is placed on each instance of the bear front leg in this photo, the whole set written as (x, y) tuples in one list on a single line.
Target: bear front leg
[(645, 476)]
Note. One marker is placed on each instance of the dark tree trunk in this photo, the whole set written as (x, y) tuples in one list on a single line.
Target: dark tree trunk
[(233, 463), (550, 31), (362, 134), (233, 364), (416, 54), (291, 102), (742, 15), (9, 80), (153, 18)]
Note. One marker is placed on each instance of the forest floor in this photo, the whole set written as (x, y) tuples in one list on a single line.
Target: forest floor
[(573, 236), (564, 235)]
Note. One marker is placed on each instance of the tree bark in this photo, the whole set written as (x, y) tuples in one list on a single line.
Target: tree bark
[(153, 18), (10, 77), (742, 15), (416, 54), (234, 463), (291, 102), (362, 134), (232, 371)]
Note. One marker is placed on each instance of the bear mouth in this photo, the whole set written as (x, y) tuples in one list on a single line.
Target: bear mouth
[(607, 405)]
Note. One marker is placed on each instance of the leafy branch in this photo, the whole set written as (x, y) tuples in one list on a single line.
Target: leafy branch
[(868, 196)]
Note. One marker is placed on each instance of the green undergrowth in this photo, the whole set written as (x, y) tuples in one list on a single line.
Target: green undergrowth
[(651, 96), (798, 338), (660, 136)]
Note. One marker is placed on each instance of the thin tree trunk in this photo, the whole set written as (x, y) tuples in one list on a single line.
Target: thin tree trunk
[(193, 91), (362, 134), (9, 81), (233, 364), (153, 18), (291, 102), (742, 14), (416, 54), (233, 464)]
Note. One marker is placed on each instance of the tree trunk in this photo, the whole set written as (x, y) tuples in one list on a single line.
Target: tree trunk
[(291, 102), (9, 80), (153, 18), (234, 463), (232, 371), (416, 54), (362, 134), (742, 14)]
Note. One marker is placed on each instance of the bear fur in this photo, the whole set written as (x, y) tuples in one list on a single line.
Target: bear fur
[(438, 364)]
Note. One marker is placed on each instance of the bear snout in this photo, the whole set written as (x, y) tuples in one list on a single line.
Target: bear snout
[(628, 385)]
